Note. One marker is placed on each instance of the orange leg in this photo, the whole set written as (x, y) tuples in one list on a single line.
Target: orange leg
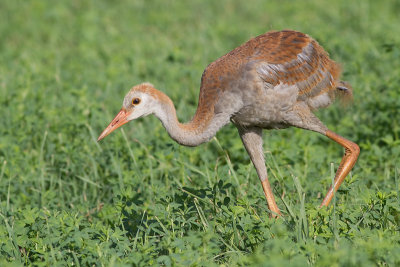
[(270, 199), (252, 140), (352, 151)]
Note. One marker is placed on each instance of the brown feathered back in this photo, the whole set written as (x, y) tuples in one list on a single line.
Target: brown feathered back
[(284, 57)]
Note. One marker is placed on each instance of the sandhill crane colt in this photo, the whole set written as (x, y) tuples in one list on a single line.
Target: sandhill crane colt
[(273, 81)]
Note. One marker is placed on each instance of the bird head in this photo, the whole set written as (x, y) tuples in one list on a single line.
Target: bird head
[(140, 101)]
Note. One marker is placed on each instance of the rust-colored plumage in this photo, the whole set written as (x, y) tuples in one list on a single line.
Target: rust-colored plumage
[(273, 81)]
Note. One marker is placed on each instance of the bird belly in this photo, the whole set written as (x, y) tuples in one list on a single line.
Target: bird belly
[(260, 117), (269, 109)]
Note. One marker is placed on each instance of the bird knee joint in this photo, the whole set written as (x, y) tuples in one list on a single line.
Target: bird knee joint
[(355, 149)]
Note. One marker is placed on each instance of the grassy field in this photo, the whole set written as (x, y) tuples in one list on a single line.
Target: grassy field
[(138, 198)]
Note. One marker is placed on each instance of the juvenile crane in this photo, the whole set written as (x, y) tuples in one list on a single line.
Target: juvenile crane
[(273, 81)]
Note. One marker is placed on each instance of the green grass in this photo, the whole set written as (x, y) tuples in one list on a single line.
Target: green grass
[(138, 198)]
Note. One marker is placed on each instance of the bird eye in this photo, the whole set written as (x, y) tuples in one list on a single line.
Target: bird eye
[(135, 101)]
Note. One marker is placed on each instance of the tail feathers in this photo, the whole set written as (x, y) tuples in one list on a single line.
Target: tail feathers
[(344, 92)]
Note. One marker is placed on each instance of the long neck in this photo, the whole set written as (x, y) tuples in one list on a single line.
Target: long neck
[(200, 129)]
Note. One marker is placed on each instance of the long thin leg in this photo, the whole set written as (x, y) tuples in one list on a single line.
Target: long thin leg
[(252, 140), (302, 117), (351, 153)]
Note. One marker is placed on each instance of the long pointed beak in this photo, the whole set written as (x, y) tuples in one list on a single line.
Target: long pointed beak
[(117, 122)]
